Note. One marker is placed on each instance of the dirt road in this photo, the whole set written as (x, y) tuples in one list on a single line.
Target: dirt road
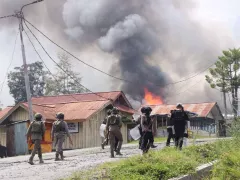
[(17, 168)]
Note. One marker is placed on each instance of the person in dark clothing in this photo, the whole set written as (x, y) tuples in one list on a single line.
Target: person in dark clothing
[(138, 121), (170, 132), (148, 129), (179, 120)]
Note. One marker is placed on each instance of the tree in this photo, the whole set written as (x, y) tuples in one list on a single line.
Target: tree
[(64, 83), (16, 82), (218, 79), (225, 75)]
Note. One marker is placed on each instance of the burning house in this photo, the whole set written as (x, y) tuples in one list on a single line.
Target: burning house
[(206, 117)]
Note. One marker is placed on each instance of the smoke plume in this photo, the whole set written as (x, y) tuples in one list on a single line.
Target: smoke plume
[(154, 41), (124, 30)]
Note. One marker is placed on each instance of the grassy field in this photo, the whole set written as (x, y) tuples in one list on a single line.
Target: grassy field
[(156, 165)]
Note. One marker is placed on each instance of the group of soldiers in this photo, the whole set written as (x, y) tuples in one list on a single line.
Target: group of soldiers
[(36, 132), (177, 126), (177, 130)]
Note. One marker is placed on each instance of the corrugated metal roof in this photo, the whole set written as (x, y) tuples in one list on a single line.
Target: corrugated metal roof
[(202, 109), (76, 106), (126, 109), (102, 96), (5, 111)]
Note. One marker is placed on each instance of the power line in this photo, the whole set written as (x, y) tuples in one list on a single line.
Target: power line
[(108, 73), (61, 67), (45, 63), (3, 17), (10, 62)]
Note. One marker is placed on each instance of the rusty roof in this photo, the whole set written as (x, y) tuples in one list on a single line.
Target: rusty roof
[(76, 107), (101, 96), (202, 109), (5, 111)]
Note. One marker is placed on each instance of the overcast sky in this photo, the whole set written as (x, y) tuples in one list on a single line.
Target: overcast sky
[(225, 13)]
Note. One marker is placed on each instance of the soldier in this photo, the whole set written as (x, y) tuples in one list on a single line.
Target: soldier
[(59, 130), (113, 126), (179, 120), (148, 129), (169, 130), (36, 130)]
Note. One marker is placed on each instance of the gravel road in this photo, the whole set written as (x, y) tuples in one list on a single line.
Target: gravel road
[(17, 168)]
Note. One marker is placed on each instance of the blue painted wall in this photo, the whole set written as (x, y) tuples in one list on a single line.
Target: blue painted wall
[(21, 146)]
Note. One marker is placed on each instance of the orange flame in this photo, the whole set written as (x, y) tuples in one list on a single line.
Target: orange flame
[(152, 99)]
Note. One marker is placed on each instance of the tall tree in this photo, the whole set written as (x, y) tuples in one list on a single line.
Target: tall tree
[(16, 81), (64, 83), (225, 75), (218, 80)]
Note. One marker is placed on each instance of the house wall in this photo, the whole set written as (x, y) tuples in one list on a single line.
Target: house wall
[(19, 115), (89, 133), (3, 136)]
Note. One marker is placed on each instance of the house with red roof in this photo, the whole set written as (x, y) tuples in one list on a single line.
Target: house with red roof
[(84, 114), (203, 116)]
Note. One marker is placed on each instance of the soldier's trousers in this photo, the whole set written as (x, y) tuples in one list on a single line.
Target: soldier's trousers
[(59, 143), (170, 136), (179, 141), (146, 141), (37, 148), (112, 134)]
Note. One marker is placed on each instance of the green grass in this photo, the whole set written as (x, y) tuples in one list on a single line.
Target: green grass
[(163, 164)]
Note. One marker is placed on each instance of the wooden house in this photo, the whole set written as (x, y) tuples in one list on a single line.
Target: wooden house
[(83, 113), (208, 116)]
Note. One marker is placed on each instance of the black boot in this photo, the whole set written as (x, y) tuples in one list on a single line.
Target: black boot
[(57, 157), (61, 155)]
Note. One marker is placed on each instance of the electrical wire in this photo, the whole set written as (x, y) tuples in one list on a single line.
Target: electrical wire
[(25, 20), (3, 17), (61, 67), (14, 48), (45, 63)]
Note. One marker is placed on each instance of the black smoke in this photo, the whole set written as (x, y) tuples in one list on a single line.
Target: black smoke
[(123, 29)]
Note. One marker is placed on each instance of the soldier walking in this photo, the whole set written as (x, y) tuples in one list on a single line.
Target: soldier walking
[(179, 120), (59, 130), (113, 126), (148, 129), (36, 131), (106, 138)]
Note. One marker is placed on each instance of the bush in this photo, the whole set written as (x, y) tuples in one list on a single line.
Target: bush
[(155, 165)]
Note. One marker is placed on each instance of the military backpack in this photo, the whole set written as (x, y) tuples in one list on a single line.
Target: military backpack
[(59, 126), (113, 119), (37, 127)]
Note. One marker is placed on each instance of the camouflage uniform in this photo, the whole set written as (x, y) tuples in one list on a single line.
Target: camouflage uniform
[(59, 130), (36, 136), (114, 124)]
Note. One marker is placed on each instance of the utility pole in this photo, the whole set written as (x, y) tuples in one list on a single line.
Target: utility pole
[(20, 17), (26, 77)]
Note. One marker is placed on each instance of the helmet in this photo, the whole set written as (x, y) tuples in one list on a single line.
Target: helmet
[(38, 116), (109, 112), (148, 109), (60, 115), (115, 110), (143, 109), (179, 105)]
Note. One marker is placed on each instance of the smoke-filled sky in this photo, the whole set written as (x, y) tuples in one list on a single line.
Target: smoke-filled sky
[(149, 42)]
